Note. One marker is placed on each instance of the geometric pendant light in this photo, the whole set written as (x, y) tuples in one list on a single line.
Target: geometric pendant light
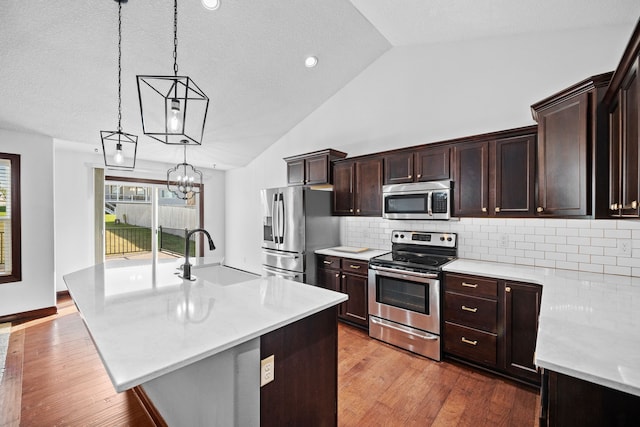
[(119, 148), (173, 108)]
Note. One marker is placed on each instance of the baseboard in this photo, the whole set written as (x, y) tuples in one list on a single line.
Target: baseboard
[(27, 315), (148, 405)]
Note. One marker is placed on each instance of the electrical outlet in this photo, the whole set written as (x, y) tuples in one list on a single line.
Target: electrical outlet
[(267, 370), (503, 240), (624, 247)]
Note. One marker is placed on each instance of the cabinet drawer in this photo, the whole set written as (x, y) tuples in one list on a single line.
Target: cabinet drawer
[(355, 266), (478, 313), (327, 261), (472, 285), (471, 344)]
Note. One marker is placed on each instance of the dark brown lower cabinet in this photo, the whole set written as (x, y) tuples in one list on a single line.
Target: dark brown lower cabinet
[(572, 402), (348, 276), (492, 324), (304, 391)]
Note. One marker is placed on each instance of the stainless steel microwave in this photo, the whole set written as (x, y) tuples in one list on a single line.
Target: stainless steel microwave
[(419, 200)]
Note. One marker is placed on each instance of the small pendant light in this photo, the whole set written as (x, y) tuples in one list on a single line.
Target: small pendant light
[(184, 180), (119, 148), (165, 102)]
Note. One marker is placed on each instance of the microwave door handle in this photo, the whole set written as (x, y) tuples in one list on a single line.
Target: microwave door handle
[(430, 203)]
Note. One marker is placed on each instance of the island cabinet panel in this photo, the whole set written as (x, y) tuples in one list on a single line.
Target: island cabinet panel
[(357, 187), (348, 276), (572, 131), (496, 177), (571, 402), (425, 164), (305, 386), (492, 324), (311, 168)]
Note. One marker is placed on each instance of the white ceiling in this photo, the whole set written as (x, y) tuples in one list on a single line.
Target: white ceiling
[(58, 59)]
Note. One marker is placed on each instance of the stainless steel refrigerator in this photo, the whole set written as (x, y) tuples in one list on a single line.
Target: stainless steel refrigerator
[(295, 222)]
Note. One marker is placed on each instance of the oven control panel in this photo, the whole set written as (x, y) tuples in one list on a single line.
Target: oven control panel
[(426, 238)]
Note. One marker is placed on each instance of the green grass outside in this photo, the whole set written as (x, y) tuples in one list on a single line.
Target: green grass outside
[(170, 242)]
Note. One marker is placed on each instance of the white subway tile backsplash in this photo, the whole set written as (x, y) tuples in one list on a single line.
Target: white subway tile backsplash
[(572, 244)]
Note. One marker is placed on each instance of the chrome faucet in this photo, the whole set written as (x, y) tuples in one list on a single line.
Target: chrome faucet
[(186, 267)]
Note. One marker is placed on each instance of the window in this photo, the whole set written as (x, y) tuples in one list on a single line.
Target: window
[(10, 263)]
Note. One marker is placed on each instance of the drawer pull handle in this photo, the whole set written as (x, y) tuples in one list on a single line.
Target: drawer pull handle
[(328, 262), (466, 341), (355, 267), (473, 310), (469, 285)]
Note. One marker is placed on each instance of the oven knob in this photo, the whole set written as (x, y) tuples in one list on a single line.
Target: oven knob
[(395, 235), (442, 238), (449, 239), (402, 236)]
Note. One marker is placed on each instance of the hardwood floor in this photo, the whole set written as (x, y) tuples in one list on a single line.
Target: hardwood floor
[(54, 377)]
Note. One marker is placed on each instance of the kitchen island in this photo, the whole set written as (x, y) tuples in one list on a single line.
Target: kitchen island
[(193, 348)]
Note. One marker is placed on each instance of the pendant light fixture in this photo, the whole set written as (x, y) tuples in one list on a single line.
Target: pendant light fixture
[(119, 148), (173, 108), (184, 180)]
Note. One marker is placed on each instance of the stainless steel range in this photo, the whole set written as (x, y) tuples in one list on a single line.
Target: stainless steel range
[(404, 290)]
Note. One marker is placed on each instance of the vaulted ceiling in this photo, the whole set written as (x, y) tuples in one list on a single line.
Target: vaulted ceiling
[(58, 60)]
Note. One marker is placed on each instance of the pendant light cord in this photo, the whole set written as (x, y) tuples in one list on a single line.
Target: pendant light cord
[(175, 38), (119, 66)]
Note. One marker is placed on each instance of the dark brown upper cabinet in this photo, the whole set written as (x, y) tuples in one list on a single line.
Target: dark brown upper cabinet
[(311, 168), (496, 177), (571, 129), (622, 102), (357, 187), (426, 164)]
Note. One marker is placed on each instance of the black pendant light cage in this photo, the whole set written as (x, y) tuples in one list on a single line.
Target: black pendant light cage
[(173, 108), (184, 180), (119, 148)]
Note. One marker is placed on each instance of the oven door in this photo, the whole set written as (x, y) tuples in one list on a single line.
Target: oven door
[(408, 298)]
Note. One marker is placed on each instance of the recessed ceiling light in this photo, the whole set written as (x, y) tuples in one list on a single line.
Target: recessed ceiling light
[(211, 4), (310, 61)]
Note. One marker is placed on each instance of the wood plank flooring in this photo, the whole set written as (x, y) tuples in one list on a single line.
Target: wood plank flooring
[(54, 377)]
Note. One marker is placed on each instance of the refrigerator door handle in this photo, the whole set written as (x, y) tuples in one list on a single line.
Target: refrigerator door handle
[(281, 217), (274, 218)]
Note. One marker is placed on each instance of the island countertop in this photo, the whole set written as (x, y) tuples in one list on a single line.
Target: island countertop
[(146, 321), (588, 324)]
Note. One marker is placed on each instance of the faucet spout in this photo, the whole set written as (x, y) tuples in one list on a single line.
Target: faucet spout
[(186, 267)]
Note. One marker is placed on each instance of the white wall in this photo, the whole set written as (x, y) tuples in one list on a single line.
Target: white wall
[(35, 290), (421, 94), (74, 204)]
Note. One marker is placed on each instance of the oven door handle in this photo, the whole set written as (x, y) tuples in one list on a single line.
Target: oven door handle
[(402, 274), (413, 332)]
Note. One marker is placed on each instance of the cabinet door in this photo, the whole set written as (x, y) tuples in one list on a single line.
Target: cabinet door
[(615, 149), (521, 309), (563, 172), (368, 187), (317, 170), (432, 164), (295, 172), (471, 189), (356, 307), (514, 180), (343, 177), (630, 116), (398, 168)]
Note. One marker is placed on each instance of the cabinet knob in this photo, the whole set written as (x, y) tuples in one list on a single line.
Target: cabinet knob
[(357, 210), (410, 176), (350, 210), (484, 209), (540, 209), (343, 276), (507, 289), (634, 204), (614, 207), (497, 209), (337, 274), (419, 175)]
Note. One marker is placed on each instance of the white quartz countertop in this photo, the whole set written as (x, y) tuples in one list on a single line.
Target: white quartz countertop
[(351, 252), (146, 321), (589, 325)]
